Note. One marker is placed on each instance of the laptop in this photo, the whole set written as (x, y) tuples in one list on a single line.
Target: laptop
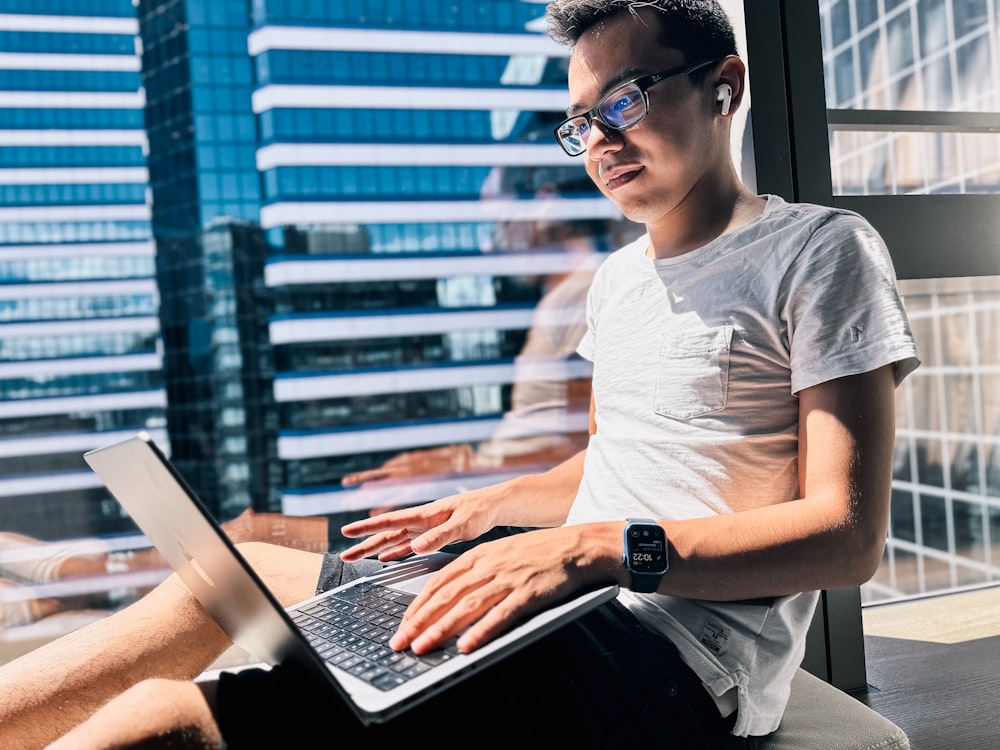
[(340, 635)]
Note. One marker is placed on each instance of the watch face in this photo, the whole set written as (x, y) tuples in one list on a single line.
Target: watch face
[(647, 549)]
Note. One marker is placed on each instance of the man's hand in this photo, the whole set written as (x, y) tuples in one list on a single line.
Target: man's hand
[(424, 528), (490, 587), (531, 500)]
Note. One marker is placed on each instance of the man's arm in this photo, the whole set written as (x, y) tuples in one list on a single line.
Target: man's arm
[(533, 500), (153, 714), (832, 536)]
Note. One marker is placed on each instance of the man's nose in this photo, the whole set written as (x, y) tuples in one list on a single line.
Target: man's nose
[(603, 138)]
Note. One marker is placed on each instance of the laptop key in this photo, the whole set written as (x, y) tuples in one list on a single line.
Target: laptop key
[(415, 670), (371, 674), (440, 656), (388, 681)]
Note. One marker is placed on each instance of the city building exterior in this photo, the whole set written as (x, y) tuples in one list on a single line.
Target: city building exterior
[(884, 59), (214, 308), (411, 189), (297, 241), (80, 356)]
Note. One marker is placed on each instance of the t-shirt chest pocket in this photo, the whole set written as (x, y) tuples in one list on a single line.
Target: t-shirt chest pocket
[(692, 378)]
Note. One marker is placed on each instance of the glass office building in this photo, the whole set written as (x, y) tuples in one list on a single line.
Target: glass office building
[(80, 355), (911, 86), (210, 252), (418, 210), (370, 255)]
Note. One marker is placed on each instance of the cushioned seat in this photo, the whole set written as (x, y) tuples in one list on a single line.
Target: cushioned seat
[(823, 717)]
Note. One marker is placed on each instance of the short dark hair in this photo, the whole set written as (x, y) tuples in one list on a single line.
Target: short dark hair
[(700, 29)]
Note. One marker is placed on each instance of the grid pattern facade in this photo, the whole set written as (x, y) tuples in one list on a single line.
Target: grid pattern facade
[(418, 210), (80, 353), (945, 522), (937, 56), (913, 55), (210, 254)]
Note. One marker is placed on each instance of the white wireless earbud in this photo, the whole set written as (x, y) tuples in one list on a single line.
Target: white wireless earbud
[(725, 96)]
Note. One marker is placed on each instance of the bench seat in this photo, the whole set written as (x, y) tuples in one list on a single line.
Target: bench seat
[(823, 717)]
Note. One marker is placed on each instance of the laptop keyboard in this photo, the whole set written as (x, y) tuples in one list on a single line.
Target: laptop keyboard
[(351, 630)]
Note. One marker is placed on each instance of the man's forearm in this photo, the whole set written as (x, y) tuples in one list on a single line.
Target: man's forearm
[(544, 499), (772, 551)]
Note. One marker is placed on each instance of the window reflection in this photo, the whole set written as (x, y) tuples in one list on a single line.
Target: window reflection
[(946, 494)]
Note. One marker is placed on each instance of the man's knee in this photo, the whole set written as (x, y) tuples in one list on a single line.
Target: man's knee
[(290, 574)]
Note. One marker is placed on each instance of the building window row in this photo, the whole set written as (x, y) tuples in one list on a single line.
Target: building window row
[(71, 156), (468, 15), (43, 118), (69, 80), (71, 195), (395, 352), (77, 308), (67, 43), (385, 408), (47, 463), (17, 233), (406, 126), (445, 237), (82, 420), (91, 9), (79, 385), (327, 472), (404, 182), (329, 67), (44, 347), (403, 294), (74, 269)]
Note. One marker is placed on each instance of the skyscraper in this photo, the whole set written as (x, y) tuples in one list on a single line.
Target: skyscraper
[(912, 90), (80, 361), (408, 173), (210, 252)]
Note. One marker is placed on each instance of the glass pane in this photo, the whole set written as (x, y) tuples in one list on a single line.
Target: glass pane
[(925, 56), (944, 530), (880, 163), (319, 307)]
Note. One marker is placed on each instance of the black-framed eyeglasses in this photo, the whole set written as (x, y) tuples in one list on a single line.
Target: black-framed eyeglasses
[(624, 107)]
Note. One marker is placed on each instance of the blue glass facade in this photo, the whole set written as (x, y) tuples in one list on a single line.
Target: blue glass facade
[(210, 252), (303, 169), (392, 229), (80, 358)]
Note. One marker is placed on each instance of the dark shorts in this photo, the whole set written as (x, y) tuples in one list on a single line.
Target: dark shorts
[(603, 681)]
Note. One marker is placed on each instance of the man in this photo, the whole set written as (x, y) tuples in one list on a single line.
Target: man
[(738, 399)]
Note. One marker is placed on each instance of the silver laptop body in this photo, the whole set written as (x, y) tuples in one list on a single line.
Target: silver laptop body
[(157, 498)]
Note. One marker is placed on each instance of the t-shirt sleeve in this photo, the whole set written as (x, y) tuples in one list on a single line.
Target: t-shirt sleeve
[(586, 346), (842, 308)]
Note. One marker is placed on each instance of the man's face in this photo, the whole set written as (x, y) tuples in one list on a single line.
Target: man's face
[(650, 168)]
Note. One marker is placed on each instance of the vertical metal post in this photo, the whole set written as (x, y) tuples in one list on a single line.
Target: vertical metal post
[(792, 159)]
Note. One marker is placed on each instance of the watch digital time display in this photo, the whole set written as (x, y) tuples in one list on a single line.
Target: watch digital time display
[(647, 550)]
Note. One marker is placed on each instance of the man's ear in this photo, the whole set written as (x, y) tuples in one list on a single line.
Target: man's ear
[(729, 84)]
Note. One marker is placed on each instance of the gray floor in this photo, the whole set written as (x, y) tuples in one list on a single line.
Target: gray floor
[(934, 669)]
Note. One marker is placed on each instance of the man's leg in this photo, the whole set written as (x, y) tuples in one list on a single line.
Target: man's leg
[(167, 634), (154, 713)]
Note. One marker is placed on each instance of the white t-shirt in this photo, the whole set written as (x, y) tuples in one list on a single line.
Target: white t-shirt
[(697, 363)]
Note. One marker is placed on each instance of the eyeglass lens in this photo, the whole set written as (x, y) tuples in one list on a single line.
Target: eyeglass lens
[(620, 109)]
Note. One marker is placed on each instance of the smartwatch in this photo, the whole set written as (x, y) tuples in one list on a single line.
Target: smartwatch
[(645, 555)]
